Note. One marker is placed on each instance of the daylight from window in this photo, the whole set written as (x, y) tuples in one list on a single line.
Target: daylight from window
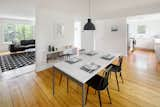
[(17, 32), (77, 34)]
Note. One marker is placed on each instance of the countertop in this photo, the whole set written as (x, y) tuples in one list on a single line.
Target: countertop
[(157, 41)]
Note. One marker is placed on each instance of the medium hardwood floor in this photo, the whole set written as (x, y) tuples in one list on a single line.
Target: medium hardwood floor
[(141, 87)]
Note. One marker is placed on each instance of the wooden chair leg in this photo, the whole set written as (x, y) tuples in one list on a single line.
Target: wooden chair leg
[(121, 77), (117, 80), (99, 95), (109, 95), (67, 85), (87, 94), (60, 79), (109, 74), (95, 92)]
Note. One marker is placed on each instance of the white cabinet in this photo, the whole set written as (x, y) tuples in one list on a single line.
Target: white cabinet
[(157, 49)]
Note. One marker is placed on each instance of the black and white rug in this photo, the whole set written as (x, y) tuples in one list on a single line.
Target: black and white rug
[(14, 61)]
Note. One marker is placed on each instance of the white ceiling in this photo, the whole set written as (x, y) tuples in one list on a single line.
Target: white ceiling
[(100, 8), (114, 8), (17, 8)]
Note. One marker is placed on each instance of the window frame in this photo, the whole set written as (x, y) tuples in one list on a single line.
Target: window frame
[(145, 29), (15, 21)]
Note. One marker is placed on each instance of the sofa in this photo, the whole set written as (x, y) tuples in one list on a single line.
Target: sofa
[(22, 46)]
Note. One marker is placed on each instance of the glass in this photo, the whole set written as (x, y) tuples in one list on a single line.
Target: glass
[(17, 32)]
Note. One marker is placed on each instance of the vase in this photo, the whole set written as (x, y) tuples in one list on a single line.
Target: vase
[(49, 48)]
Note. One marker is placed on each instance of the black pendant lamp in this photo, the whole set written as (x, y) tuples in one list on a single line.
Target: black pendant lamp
[(89, 25)]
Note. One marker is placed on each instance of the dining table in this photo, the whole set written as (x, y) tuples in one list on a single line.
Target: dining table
[(75, 72)]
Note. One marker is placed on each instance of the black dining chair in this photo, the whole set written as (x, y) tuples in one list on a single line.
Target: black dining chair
[(99, 83), (117, 69)]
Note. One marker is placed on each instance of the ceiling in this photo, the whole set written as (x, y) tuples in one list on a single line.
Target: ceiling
[(114, 8), (100, 8), (17, 8)]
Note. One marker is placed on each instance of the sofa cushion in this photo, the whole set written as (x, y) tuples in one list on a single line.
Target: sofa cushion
[(27, 46), (27, 42)]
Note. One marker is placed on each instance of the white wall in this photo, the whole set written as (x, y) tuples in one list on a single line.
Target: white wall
[(67, 10), (49, 12), (105, 40), (46, 34), (146, 40), (3, 47)]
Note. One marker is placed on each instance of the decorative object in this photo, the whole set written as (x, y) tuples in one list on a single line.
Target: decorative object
[(114, 28), (49, 48), (59, 29), (89, 25), (53, 48)]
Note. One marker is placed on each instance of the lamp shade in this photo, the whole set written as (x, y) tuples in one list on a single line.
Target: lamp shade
[(89, 25)]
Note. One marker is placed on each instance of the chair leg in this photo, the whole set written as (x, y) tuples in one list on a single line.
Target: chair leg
[(95, 92), (117, 80), (67, 85), (99, 95), (87, 94), (110, 74), (121, 77), (109, 95), (60, 79)]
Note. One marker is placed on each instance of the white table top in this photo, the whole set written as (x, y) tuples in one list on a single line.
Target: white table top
[(82, 76), (65, 50)]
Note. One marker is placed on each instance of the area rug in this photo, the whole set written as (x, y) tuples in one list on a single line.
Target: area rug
[(17, 60)]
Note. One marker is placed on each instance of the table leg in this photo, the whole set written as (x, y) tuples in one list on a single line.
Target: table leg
[(83, 95), (53, 80)]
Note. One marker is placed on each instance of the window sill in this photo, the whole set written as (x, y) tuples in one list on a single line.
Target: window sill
[(7, 43)]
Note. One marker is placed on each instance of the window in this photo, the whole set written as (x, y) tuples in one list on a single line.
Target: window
[(141, 29), (77, 34), (15, 32)]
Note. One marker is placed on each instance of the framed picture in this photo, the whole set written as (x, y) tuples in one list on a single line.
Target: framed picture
[(114, 28), (59, 29)]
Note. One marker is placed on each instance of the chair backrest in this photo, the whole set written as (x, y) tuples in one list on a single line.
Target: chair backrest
[(120, 61), (108, 70)]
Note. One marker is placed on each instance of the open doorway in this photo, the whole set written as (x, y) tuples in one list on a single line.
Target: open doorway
[(17, 49), (144, 33), (143, 30), (77, 34)]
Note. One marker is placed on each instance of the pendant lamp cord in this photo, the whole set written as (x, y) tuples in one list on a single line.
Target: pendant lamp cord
[(90, 8)]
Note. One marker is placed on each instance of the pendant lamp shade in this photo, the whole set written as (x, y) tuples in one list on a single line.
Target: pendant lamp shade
[(89, 25)]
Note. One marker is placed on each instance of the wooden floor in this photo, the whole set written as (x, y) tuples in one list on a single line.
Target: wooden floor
[(140, 89)]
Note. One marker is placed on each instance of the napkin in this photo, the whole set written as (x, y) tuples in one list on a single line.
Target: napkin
[(107, 57), (90, 67)]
